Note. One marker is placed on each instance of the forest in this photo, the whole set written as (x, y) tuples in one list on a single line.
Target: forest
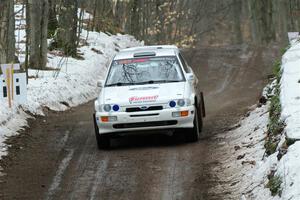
[(89, 111), (186, 23)]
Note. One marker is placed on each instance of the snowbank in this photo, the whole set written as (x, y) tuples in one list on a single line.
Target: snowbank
[(250, 169), (246, 165), (288, 167), (290, 91), (71, 82)]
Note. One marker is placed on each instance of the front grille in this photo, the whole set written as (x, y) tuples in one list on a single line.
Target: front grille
[(145, 124), (145, 115), (139, 109)]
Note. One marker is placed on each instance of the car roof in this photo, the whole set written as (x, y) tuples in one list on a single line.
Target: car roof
[(143, 51)]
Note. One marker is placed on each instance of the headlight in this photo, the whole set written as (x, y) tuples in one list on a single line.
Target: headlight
[(188, 102), (107, 107), (181, 102)]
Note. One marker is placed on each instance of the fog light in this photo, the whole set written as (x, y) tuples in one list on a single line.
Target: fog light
[(104, 119), (184, 113), (180, 114), (109, 118), (176, 114)]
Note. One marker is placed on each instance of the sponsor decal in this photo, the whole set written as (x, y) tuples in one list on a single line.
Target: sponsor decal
[(144, 88), (126, 62), (145, 99)]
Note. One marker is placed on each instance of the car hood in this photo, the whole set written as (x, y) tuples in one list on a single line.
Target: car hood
[(143, 94)]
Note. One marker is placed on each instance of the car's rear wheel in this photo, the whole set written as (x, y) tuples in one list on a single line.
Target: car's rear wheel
[(103, 141), (193, 134)]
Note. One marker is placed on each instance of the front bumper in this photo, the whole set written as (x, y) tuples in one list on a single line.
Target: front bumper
[(147, 120)]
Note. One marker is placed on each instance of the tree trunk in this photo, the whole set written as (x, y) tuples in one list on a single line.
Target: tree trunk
[(67, 28), (159, 21), (237, 7), (134, 22), (52, 21), (27, 31), (263, 18), (38, 24), (7, 28)]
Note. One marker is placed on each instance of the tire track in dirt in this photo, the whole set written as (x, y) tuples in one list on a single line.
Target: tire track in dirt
[(59, 174), (148, 167)]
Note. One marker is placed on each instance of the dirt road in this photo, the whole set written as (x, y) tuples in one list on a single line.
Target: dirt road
[(57, 157)]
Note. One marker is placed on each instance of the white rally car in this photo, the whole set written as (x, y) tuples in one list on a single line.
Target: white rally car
[(148, 88)]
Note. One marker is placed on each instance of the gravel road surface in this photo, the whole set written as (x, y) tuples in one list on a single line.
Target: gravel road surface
[(57, 158)]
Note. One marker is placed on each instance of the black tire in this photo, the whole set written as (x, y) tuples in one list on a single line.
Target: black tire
[(200, 119), (103, 141), (200, 112), (193, 134), (202, 105)]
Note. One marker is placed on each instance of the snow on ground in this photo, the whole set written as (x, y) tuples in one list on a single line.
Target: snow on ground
[(255, 168), (290, 91), (71, 82), (288, 167), (246, 165)]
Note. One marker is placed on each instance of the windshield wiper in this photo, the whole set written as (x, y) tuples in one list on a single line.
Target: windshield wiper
[(142, 83), (145, 82), (167, 81), (117, 84), (158, 81)]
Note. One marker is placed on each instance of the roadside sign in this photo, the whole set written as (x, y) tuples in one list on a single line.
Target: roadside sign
[(14, 67), (13, 86)]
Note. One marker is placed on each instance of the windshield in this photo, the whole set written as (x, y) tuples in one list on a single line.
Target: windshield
[(144, 71)]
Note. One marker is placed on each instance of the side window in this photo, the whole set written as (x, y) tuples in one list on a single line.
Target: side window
[(185, 66)]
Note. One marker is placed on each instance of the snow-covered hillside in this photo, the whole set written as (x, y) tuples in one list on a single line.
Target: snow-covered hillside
[(68, 83), (252, 173), (289, 165), (287, 168)]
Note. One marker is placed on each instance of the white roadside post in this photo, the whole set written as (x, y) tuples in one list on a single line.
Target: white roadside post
[(13, 86)]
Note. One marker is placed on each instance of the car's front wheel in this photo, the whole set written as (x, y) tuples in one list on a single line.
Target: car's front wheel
[(103, 141), (193, 133)]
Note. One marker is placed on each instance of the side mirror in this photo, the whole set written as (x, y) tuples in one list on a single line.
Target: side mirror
[(190, 77), (100, 84)]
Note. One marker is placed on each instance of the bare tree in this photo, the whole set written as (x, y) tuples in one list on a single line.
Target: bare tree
[(263, 19), (38, 30), (7, 28), (134, 22), (66, 37), (52, 21)]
